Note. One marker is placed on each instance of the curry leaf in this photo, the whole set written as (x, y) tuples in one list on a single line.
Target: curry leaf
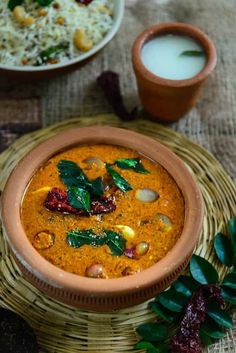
[(144, 345), (115, 242), (192, 53), (202, 271), (71, 174), (119, 181), (205, 339), (131, 163), (95, 186), (44, 2), (232, 233), (186, 285), (230, 280), (13, 3), (51, 53), (76, 239), (173, 300), (212, 329), (224, 250), (79, 198), (153, 332), (220, 317), (229, 295), (161, 311)]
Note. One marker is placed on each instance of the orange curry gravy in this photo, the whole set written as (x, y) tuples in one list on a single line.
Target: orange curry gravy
[(140, 216)]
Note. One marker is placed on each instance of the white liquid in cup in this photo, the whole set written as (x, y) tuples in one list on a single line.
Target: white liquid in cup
[(163, 56)]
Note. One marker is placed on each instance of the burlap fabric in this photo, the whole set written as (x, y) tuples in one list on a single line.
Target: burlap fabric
[(212, 123)]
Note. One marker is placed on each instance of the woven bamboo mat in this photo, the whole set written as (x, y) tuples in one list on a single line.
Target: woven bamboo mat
[(62, 329)]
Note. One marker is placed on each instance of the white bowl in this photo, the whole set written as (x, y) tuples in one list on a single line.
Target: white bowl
[(32, 72)]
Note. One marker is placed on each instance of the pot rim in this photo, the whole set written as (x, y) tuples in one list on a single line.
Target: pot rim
[(52, 275), (170, 28)]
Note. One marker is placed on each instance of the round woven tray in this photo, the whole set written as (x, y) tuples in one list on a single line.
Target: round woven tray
[(63, 329)]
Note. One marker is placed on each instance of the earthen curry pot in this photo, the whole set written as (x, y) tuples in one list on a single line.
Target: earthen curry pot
[(90, 293), (165, 99)]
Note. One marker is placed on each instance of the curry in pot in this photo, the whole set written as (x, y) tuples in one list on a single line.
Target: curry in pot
[(102, 211)]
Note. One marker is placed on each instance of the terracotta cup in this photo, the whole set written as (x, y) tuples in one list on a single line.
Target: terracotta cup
[(168, 100)]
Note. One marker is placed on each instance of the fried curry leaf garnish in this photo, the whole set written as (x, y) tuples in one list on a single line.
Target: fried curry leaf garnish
[(194, 308), (72, 175), (76, 239), (131, 163), (13, 3), (79, 198), (192, 53), (51, 53), (119, 181), (44, 2), (114, 240)]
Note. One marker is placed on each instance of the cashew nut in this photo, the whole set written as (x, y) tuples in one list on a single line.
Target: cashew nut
[(21, 17), (80, 40)]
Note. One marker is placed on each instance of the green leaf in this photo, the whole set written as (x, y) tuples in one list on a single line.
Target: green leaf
[(202, 271), (44, 2), (212, 329), (71, 174), (173, 300), (219, 316), (224, 250), (232, 233), (131, 163), (205, 339), (229, 295), (161, 311), (186, 285), (192, 53), (119, 181), (13, 3), (115, 242), (230, 280), (152, 332), (95, 186), (144, 345), (79, 198), (51, 53), (76, 239)]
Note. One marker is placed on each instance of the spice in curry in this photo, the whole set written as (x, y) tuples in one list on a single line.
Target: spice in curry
[(102, 211)]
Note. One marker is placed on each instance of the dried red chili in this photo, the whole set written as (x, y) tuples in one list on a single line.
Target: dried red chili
[(110, 84), (84, 2), (187, 339), (57, 200)]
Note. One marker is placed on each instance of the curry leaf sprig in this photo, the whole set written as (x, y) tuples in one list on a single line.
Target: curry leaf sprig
[(131, 163), (13, 3), (170, 305), (114, 240), (192, 53)]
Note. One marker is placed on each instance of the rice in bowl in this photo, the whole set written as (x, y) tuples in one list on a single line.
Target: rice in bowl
[(33, 35)]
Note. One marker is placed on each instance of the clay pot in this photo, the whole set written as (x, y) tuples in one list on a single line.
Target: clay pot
[(168, 100), (95, 293)]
